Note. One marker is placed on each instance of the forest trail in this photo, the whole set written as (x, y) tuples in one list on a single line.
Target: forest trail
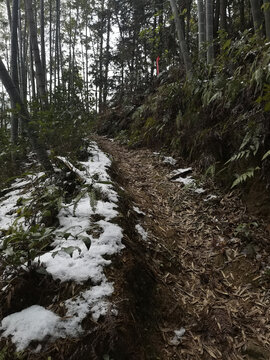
[(206, 296)]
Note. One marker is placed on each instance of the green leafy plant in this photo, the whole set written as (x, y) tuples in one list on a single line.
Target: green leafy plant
[(244, 230), (22, 246), (240, 179)]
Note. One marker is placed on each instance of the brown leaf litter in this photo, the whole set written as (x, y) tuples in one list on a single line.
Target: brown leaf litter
[(212, 270)]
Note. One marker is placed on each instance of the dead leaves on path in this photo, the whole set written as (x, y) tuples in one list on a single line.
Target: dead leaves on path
[(198, 255)]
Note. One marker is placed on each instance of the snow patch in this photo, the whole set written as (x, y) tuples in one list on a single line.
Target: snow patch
[(169, 160), (178, 334), (210, 197), (141, 231), (80, 246), (33, 323), (138, 211)]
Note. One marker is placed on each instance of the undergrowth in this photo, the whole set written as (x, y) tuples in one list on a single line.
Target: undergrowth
[(220, 119)]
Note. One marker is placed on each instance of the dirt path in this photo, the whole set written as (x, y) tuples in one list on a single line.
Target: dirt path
[(205, 262)]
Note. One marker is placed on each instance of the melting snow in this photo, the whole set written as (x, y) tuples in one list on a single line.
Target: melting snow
[(178, 172), (169, 160), (199, 190), (78, 256), (138, 211), (141, 231), (178, 336), (210, 197), (33, 323), (185, 179)]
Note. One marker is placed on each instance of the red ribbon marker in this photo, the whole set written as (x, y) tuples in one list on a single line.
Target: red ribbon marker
[(157, 60)]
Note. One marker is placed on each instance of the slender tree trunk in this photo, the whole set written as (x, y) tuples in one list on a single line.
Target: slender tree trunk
[(9, 13), (256, 14), (101, 77), (14, 67), (32, 73), (50, 48), (242, 15), (209, 31), (266, 10), (73, 49), (223, 15), (42, 41), (107, 60), (182, 42), (40, 76), (86, 64), (57, 42), (216, 18), (16, 99), (189, 4), (201, 24), (23, 37)]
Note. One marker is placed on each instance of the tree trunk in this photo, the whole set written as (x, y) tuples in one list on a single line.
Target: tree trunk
[(216, 18), (201, 23), (32, 73), (223, 15), (50, 48), (23, 40), (57, 42), (107, 60), (209, 31), (242, 15), (100, 93), (9, 13), (86, 64), (266, 10), (15, 97), (42, 41), (40, 76), (14, 66), (182, 42), (256, 14)]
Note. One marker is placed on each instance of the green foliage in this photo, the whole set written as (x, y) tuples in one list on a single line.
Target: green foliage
[(68, 250), (247, 152), (266, 155), (62, 125), (240, 179), (244, 230), (265, 98), (22, 247)]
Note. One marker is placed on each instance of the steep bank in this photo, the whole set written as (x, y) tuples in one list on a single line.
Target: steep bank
[(219, 121)]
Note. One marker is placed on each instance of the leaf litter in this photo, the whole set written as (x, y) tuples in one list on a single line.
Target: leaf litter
[(196, 254)]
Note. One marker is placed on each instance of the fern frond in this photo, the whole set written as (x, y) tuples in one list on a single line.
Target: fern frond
[(244, 177)]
